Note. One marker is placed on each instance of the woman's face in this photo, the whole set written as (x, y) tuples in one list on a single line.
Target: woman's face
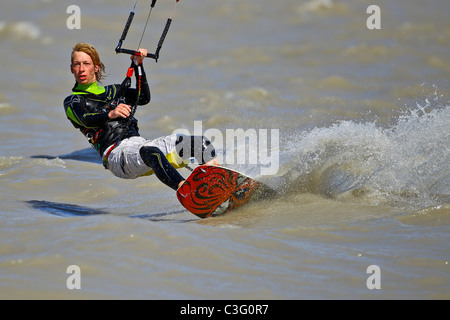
[(83, 68)]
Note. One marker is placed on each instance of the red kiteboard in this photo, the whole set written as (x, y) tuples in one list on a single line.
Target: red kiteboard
[(213, 190)]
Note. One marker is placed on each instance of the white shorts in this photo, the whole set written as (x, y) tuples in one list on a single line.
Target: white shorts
[(125, 161)]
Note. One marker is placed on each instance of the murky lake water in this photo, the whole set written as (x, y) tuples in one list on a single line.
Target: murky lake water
[(363, 118)]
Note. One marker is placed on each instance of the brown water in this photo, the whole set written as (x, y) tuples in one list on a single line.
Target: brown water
[(362, 116)]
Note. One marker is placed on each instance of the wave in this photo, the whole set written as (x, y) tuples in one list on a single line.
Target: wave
[(405, 165), (22, 30)]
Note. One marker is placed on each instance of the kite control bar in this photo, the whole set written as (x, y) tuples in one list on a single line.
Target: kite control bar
[(149, 55), (155, 55)]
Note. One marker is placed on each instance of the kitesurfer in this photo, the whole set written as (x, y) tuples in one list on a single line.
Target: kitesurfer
[(112, 129)]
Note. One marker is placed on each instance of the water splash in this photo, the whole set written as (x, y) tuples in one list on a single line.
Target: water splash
[(406, 165)]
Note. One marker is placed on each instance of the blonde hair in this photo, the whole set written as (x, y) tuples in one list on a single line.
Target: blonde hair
[(92, 52)]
